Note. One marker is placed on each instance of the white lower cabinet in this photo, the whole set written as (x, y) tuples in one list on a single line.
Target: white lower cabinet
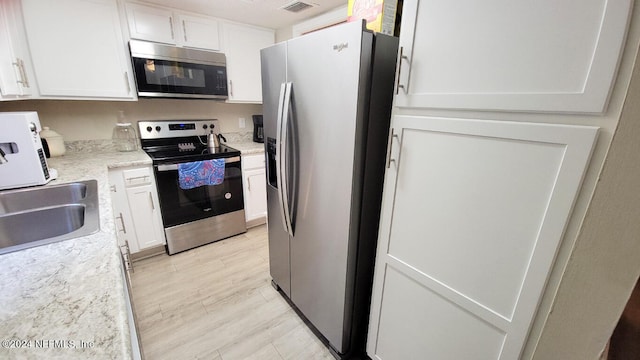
[(255, 189), (473, 212), (136, 209)]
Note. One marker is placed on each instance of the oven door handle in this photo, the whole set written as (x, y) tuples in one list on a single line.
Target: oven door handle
[(173, 167)]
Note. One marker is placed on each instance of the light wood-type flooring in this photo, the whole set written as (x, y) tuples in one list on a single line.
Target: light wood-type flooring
[(216, 302)]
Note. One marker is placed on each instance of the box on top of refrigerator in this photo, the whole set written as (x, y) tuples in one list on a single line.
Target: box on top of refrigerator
[(380, 15)]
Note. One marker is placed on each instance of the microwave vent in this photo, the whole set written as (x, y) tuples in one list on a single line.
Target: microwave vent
[(296, 6)]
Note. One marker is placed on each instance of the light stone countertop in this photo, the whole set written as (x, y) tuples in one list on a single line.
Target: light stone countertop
[(66, 300), (57, 298), (248, 147)]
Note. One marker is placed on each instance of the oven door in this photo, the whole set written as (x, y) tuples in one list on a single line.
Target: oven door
[(180, 206)]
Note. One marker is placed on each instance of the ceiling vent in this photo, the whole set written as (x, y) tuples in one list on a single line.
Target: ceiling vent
[(296, 6)]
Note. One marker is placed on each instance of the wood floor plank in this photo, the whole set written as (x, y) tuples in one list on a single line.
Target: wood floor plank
[(216, 302)]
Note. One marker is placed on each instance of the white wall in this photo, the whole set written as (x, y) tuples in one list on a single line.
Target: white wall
[(91, 120)]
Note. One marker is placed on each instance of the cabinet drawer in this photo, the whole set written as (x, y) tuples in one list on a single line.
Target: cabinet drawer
[(253, 161), (134, 177)]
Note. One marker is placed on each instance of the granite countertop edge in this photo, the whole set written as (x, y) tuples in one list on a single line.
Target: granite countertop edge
[(66, 299)]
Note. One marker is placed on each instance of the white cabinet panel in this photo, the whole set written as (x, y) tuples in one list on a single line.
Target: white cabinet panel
[(145, 214), (150, 23), (199, 32), (136, 208), (16, 76), (242, 45), (451, 334), (77, 48), (170, 27), (502, 55), (473, 213), (255, 188)]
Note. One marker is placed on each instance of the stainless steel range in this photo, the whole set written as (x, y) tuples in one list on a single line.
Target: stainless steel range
[(203, 212)]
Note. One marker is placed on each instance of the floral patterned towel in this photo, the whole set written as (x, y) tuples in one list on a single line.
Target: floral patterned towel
[(201, 173)]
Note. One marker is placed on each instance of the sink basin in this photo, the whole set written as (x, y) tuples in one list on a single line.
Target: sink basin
[(39, 216), (26, 199)]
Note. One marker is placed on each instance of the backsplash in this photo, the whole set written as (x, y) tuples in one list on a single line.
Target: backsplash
[(103, 145), (80, 120)]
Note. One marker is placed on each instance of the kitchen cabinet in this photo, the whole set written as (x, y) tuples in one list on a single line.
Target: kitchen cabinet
[(255, 189), (242, 45), (137, 211), (473, 213), (170, 27), (528, 56), (16, 72), (77, 49)]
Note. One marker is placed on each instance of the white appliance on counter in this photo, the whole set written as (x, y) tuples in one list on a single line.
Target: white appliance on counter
[(22, 159)]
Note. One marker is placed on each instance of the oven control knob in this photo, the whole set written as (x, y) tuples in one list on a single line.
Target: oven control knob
[(212, 126), (204, 126), (158, 128), (149, 128)]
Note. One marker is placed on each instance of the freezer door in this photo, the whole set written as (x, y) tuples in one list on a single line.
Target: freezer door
[(274, 65), (328, 71)]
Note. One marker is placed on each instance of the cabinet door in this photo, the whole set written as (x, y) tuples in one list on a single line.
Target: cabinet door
[(15, 64), (145, 212), (473, 213), (242, 45), (547, 55), (199, 32), (255, 194), (77, 48), (121, 214), (150, 23)]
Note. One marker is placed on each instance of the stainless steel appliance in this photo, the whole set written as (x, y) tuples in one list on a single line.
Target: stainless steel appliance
[(200, 215), (174, 72), (258, 128), (22, 157), (326, 106)]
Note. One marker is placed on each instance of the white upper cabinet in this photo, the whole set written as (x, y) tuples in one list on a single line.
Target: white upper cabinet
[(540, 56), (170, 27), (151, 24), (16, 73), (242, 45), (77, 49), (199, 32)]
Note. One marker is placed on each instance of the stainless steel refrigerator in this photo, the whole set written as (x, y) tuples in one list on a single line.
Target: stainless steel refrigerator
[(326, 106)]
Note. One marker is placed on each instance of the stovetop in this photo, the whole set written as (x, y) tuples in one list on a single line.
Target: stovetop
[(175, 154), (174, 141)]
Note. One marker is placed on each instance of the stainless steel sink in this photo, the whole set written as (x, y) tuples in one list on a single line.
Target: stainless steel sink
[(38, 216), (33, 198)]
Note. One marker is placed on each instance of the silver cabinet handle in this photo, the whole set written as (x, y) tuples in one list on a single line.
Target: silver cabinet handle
[(22, 72), (400, 58), (249, 183), (126, 255), (153, 206), (25, 80), (230, 88), (184, 31), (113, 188), (171, 27), (126, 82), (124, 229), (392, 135)]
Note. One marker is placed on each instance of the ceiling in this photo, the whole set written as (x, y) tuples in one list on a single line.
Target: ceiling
[(266, 13)]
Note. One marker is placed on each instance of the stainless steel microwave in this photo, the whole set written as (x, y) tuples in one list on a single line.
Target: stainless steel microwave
[(174, 72)]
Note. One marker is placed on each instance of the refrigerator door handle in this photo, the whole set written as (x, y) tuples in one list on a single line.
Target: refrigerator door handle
[(283, 158), (279, 157)]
